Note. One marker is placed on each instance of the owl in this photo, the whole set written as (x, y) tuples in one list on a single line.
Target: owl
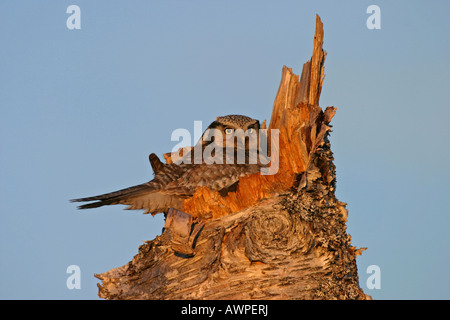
[(173, 183)]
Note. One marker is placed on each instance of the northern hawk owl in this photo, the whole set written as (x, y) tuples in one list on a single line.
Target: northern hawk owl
[(175, 182)]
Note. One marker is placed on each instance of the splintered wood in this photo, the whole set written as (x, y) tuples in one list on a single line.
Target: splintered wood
[(302, 125), (280, 236)]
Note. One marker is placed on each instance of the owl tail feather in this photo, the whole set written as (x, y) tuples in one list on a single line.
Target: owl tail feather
[(116, 197)]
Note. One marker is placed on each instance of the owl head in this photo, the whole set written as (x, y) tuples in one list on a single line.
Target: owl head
[(231, 130)]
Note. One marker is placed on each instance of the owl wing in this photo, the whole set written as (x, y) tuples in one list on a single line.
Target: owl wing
[(171, 186), (144, 196), (149, 196), (214, 176)]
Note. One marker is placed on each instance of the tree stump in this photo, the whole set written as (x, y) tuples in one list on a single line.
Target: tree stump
[(280, 236)]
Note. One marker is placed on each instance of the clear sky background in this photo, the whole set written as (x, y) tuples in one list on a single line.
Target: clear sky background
[(80, 111)]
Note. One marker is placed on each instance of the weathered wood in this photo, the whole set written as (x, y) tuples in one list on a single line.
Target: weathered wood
[(280, 236), (241, 259), (303, 90), (317, 64)]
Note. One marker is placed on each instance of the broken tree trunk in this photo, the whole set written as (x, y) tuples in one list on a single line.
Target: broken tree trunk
[(280, 236)]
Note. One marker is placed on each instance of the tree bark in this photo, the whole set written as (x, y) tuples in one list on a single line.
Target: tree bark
[(280, 236)]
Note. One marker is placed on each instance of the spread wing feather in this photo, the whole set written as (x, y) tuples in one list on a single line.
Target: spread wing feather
[(171, 185)]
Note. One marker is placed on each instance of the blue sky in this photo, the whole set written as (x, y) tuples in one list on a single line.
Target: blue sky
[(80, 110)]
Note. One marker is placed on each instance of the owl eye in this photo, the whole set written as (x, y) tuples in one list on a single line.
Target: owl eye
[(228, 131)]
